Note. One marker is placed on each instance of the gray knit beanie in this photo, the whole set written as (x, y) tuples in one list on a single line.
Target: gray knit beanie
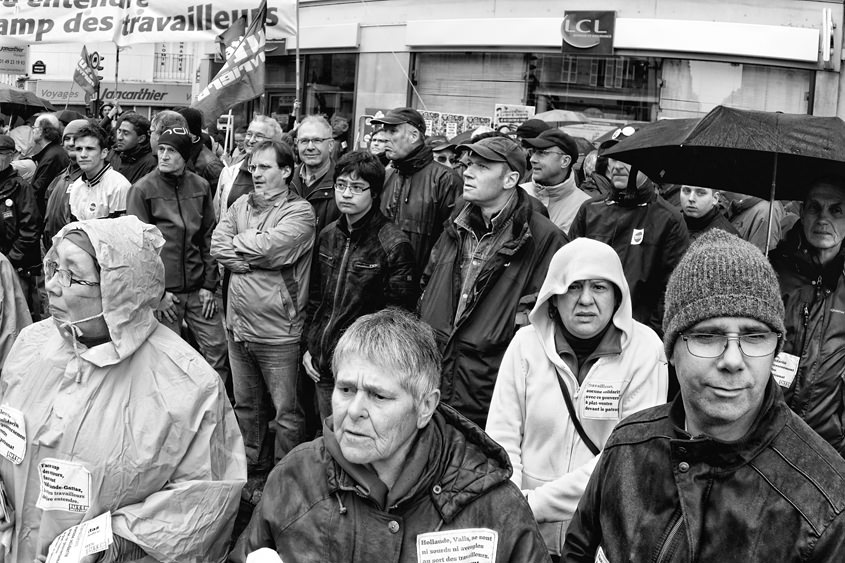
[(721, 275)]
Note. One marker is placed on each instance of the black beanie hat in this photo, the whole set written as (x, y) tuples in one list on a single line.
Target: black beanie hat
[(179, 139)]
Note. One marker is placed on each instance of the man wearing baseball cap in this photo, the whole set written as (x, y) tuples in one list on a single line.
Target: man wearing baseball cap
[(485, 272), (178, 202), (726, 472), (552, 154), (419, 193)]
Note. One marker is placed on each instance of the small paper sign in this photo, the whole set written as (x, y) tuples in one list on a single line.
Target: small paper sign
[(469, 545), (84, 539)]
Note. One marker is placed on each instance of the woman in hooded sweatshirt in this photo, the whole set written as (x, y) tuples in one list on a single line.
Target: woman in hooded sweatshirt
[(584, 343)]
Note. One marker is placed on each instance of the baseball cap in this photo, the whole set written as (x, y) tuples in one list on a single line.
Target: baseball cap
[(554, 138), (7, 144), (531, 128), (401, 115), (499, 149)]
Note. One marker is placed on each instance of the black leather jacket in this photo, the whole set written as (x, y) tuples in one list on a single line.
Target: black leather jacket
[(419, 195), (20, 221), (357, 272), (814, 300), (658, 495)]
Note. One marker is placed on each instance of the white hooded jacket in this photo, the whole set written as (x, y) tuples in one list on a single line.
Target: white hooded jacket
[(528, 414), (139, 426)]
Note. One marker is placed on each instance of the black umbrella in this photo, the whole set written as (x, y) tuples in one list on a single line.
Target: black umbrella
[(22, 103), (751, 152)]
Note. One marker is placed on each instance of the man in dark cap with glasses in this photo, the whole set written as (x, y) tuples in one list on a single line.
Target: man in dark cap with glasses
[(733, 473), (419, 193)]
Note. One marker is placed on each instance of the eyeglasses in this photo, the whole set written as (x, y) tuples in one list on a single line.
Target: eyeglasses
[(65, 277), (355, 189), (623, 132), (253, 168), (709, 345), (542, 152), (254, 135), (314, 140)]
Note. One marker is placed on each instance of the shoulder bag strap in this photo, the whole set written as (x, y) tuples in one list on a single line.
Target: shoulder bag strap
[(571, 408)]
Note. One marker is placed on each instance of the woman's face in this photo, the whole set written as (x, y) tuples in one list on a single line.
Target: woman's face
[(587, 307)]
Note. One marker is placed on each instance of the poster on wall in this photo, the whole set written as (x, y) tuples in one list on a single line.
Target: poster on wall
[(473, 122), (364, 131), (13, 59), (452, 124), (512, 115), (432, 122)]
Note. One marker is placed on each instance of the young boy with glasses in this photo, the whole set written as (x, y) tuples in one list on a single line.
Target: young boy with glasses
[(726, 471), (365, 263)]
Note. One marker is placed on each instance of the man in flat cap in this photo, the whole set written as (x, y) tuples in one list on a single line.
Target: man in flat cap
[(419, 193)]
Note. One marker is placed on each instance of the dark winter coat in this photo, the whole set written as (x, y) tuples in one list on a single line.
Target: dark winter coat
[(320, 196), (319, 507), (814, 299), (135, 163), (58, 203), (713, 219), (49, 163), (650, 237), (20, 221), (180, 206), (473, 346), (419, 195)]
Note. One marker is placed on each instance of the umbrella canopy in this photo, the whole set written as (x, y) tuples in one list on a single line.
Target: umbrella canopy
[(738, 150), (561, 116), (22, 103)]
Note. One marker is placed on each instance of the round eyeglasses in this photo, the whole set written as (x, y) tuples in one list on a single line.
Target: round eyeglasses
[(709, 345), (64, 277)]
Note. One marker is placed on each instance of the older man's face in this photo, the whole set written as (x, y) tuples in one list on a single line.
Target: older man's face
[(375, 419), (823, 216)]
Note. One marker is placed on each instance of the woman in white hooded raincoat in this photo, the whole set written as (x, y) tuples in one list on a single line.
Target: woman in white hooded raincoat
[(134, 422), (622, 369)]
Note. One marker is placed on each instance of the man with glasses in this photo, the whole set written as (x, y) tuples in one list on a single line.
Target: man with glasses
[(313, 179), (419, 194), (365, 264), (264, 240), (552, 154), (810, 263), (726, 471), (236, 180)]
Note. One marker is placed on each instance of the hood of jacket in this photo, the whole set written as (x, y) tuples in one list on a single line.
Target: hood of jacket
[(581, 259), (450, 452), (131, 276)]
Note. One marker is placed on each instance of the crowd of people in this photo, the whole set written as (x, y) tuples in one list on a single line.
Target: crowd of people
[(509, 349)]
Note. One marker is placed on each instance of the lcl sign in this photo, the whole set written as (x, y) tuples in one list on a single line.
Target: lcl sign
[(588, 33)]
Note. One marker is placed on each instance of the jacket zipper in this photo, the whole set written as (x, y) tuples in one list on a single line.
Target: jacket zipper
[(184, 235), (666, 549), (341, 277)]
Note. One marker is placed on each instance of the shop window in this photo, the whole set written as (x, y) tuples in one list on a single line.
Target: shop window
[(692, 88)]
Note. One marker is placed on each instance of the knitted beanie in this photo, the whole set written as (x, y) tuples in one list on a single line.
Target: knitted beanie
[(194, 118), (179, 139), (721, 275)]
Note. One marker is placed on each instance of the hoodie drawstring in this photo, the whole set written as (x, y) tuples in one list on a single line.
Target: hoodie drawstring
[(341, 509), (76, 332)]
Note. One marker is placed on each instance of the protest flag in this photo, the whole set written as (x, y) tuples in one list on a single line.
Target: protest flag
[(242, 75), (228, 40), (86, 75)]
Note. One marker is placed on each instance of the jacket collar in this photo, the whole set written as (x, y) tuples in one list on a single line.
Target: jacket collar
[(136, 153), (415, 161), (770, 420), (452, 461)]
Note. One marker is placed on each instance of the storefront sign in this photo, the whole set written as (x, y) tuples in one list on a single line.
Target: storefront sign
[(128, 93), (588, 33), (38, 67), (13, 59), (128, 22)]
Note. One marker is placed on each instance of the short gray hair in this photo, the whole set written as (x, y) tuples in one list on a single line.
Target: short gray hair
[(400, 343), (318, 120), (276, 134)]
